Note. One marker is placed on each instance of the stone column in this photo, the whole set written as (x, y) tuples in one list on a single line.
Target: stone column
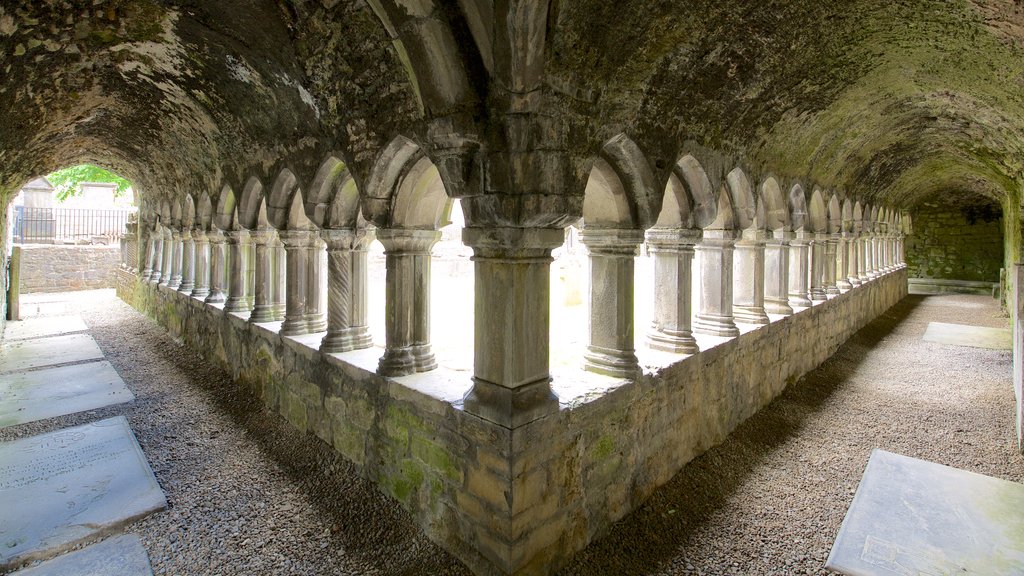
[(863, 254), (188, 263), (748, 278), (316, 285), (852, 259), (899, 250), (248, 248), (871, 255), (611, 350), (818, 267), (147, 262), (217, 263), (279, 281), (359, 323), (236, 301), (672, 249), (202, 265), (295, 245), (167, 264), (263, 309), (134, 257), (715, 316), (799, 247), (511, 377), (831, 264), (157, 237), (776, 273), (177, 259), (407, 312), (346, 290)]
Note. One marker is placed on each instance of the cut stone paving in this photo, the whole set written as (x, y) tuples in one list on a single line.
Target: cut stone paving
[(50, 392), (27, 354), (44, 326), (911, 516), (964, 335), (118, 556), (63, 487)]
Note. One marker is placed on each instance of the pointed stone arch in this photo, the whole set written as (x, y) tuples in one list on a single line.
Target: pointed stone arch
[(847, 215), (798, 208), (741, 194), (250, 203), (333, 197), (817, 212), (226, 215), (188, 212), (835, 215), (204, 212), (636, 179), (281, 199), (703, 198), (776, 209)]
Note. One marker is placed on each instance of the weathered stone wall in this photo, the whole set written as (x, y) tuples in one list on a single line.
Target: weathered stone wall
[(4, 269), (956, 244), (55, 268), (519, 501)]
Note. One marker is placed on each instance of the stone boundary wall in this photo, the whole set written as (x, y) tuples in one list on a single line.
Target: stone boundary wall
[(955, 245), (519, 501), (56, 268)]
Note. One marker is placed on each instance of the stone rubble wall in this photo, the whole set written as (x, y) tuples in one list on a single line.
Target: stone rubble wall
[(953, 245), (56, 268), (520, 501)]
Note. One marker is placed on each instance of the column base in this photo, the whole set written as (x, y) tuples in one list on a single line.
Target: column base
[(278, 311), (294, 327), (186, 287), (397, 362), (780, 307), (610, 362), (750, 315), (511, 407), (818, 295), (361, 337), (800, 300), (336, 342), (174, 283), (854, 281), (215, 297), (200, 293), (675, 341), (235, 304), (716, 326), (262, 313), (832, 291), (423, 357), (844, 285), (316, 323)]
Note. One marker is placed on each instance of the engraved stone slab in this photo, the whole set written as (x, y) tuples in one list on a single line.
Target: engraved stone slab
[(44, 326), (26, 354), (49, 392), (60, 488), (915, 517), (963, 335), (118, 556)]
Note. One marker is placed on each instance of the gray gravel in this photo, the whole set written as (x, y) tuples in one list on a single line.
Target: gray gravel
[(249, 495)]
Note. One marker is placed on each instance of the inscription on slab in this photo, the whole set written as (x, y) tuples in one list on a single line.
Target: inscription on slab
[(49, 392), (963, 335), (26, 354), (118, 556), (44, 326), (59, 488), (912, 517)]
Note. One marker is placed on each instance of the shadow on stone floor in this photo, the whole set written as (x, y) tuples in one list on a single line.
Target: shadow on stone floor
[(651, 539)]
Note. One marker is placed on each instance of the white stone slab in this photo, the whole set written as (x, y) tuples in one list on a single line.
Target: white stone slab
[(60, 488), (49, 392), (915, 517), (964, 335), (44, 326), (118, 556), (26, 354)]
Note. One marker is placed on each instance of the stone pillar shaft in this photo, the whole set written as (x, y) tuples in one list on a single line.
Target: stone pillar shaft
[(346, 290), (296, 245), (147, 264), (407, 309), (316, 286), (236, 300), (673, 251), (202, 287), (852, 260), (177, 259), (217, 275), (799, 248), (511, 377), (167, 261), (831, 264), (776, 273), (262, 310), (748, 278), (611, 350), (188, 263), (818, 268), (715, 316), (279, 280)]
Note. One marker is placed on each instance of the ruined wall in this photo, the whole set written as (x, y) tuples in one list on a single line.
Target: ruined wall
[(951, 244), (519, 501), (54, 268)]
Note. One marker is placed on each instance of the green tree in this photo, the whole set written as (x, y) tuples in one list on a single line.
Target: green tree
[(65, 182)]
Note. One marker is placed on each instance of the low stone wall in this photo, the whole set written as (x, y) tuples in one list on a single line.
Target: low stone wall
[(519, 501), (56, 268)]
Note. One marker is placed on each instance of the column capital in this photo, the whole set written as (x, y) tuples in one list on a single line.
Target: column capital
[(236, 236), (297, 238), (215, 236), (718, 238), (612, 241), (672, 239), (513, 242), (801, 238), (199, 235), (262, 236), (339, 239), (407, 240), (780, 236)]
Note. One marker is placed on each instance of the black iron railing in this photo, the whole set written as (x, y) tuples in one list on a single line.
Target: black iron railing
[(68, 225)]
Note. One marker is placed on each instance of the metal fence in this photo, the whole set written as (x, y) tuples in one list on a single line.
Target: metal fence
[(68, 225)]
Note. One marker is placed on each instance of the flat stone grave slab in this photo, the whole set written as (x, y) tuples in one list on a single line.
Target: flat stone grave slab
[(49, 392), (44, 326), (118, 556), (963, 335), (27, 354), (63, 487), (913, 517)]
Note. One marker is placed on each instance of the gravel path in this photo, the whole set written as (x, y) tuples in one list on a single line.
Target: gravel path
[(249, 495)]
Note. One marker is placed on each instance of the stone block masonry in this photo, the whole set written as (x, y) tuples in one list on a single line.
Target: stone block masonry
[(55, 268), (950, 244), (521, 500)]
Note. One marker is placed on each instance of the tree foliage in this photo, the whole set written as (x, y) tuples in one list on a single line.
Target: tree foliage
[(66, 182)]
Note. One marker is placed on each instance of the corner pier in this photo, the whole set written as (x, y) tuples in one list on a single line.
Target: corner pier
[(517, 500)]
